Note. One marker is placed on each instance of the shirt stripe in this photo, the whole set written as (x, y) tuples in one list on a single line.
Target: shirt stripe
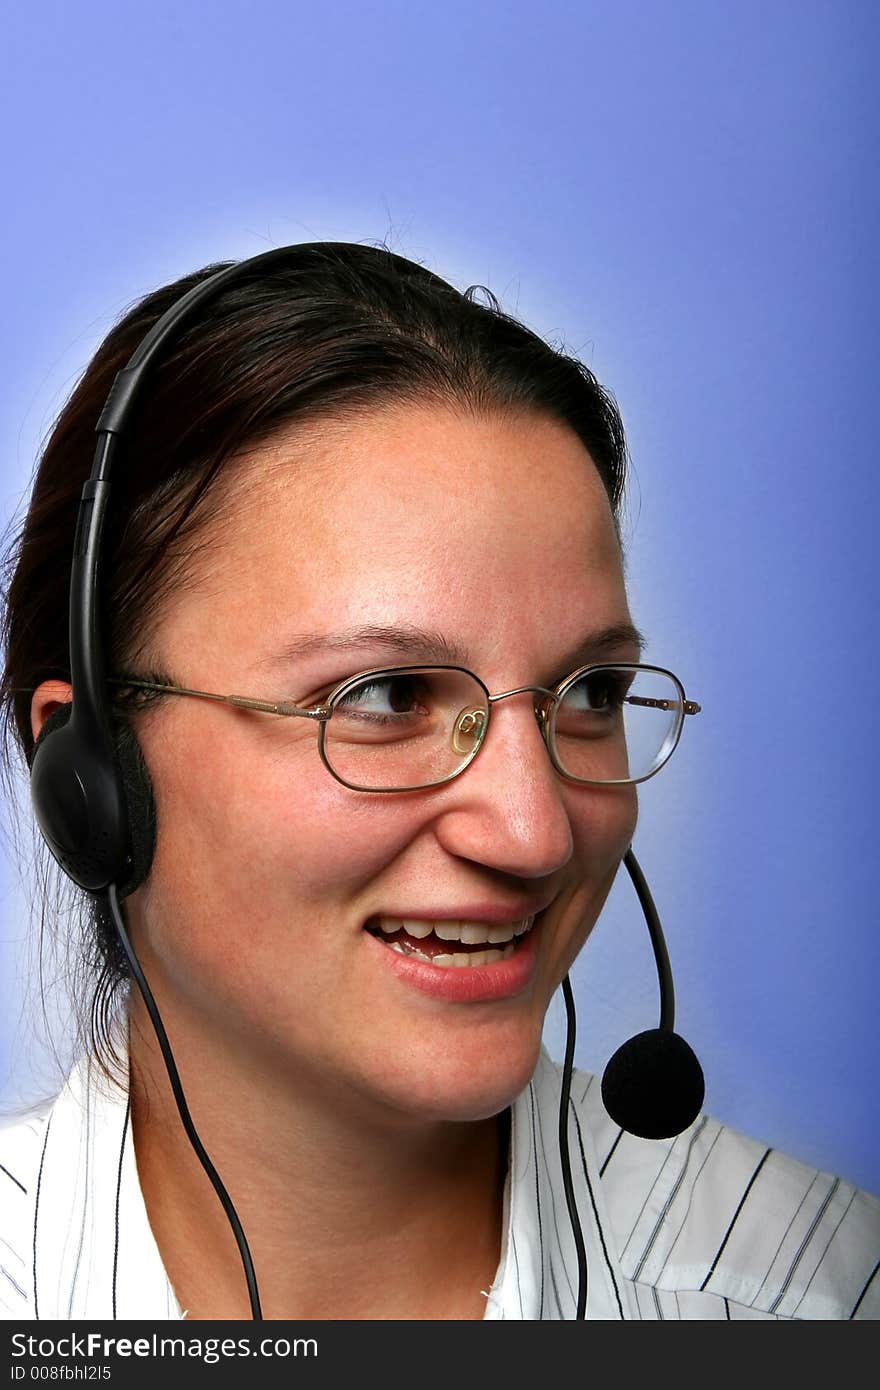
[(537, 1198), (611, 1152), (669, 1200), (116, 1212), (14, 1282), (733, 1219), (37, 1212), (596, 1217), (824, 1253), (804, 1246), (868, 1282), (558, 1208), (708, 1226), (13, 1178)]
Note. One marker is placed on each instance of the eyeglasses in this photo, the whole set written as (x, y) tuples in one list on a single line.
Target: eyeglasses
[(406, 728)]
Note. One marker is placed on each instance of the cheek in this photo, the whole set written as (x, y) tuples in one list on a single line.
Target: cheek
[(603, 821), (603, 825), (263, 841)]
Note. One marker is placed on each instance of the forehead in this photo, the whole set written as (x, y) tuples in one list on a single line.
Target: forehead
[(495, 523), (418, 475)]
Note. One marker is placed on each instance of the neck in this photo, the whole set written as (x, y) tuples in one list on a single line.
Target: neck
[(349, 1212)]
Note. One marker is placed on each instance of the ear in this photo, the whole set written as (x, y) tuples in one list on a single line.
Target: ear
[(47, 698)]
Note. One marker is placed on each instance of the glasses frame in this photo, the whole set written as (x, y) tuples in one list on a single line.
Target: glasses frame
[(550, 700)]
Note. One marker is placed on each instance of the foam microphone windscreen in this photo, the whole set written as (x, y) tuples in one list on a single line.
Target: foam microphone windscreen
[(653, 1086)]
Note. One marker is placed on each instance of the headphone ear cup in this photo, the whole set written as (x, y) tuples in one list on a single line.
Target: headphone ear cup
[(141, 807), (83, 803), (56, 720)]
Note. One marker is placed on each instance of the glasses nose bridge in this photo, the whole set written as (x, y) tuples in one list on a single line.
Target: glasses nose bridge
[(520, 690), (542, 711)]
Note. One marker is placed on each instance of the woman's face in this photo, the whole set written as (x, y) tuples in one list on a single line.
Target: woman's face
[(494, 532)]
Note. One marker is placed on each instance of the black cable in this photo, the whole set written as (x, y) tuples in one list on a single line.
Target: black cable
[(564, 1156), (658, 942), (182, 1107), (214, 1176)]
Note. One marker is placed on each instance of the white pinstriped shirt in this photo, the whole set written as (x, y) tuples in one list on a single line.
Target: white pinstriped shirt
[(708, 1225)]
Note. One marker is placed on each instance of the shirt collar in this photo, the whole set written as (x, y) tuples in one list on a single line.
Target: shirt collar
[(537, 1276), (95, 1256), (94, 1251)]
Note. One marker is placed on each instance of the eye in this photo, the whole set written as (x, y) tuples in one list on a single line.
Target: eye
[(601, 691), (384, 699)]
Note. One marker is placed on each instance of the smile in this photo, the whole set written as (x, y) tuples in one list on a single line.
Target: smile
[(451, 945)]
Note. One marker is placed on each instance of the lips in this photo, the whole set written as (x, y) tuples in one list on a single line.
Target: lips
[(450, 944), (456, 972)]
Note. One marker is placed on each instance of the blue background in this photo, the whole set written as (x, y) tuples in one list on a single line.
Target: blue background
[(682, 194)]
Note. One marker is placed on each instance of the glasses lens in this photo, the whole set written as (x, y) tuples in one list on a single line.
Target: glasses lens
[(406, 728), (617, 724)]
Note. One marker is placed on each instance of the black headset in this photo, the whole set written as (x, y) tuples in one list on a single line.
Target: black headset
[(94, 803)]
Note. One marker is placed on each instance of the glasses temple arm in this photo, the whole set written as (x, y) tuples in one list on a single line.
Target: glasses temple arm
[(689, 706), (285, 707)]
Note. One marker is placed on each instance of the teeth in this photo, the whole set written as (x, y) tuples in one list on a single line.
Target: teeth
[(501, 933), (416, 929), (406, 950), (470, 933), (460, 960)]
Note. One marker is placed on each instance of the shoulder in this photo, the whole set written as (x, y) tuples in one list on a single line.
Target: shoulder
[(22, 1143), (715, 1215)]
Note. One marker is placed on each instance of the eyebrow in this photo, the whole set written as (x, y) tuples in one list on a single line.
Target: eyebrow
[(433, 647)]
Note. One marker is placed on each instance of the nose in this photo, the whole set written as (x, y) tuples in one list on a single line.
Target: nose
[(507, 809)]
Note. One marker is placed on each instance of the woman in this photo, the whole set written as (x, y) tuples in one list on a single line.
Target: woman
[(350, 925)]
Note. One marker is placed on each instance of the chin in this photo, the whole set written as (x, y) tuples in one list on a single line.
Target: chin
[(464, 1085)]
